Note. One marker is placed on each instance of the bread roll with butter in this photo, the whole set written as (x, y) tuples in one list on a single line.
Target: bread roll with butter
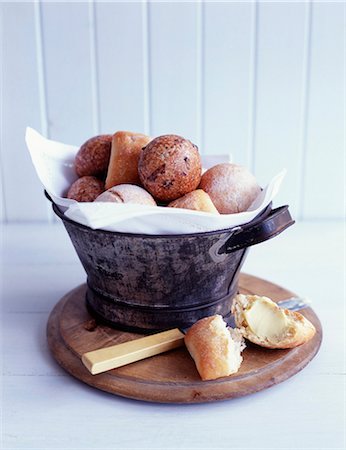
[(197, 200), (215, 348), (123, 163), (264, 323)]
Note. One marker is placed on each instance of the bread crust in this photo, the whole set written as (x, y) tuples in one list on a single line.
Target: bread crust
[(197, 200), (299, 329), (85, 189), (216, 352), (170, 167), (127, 193), (123, 162), (232, 188), (93, 156)]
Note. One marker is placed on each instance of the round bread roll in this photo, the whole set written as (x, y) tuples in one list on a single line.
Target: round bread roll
[(197, 200), (127, 193), (232, 188), (85, 189), (169, 167), (93, 156)]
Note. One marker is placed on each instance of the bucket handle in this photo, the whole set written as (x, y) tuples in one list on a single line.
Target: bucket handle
[(278, 220)]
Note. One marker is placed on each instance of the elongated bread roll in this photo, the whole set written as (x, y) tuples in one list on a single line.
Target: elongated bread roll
[(263, 322), (123, 163), (215, 348)]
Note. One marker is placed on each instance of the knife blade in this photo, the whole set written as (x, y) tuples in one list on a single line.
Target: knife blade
[(108, 358)]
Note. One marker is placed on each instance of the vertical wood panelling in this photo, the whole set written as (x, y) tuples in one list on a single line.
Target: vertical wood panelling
[(20, 107), (305, 104), (200, 97), (173, 68), (227, 78), (263, 81), (120, 66), (324, 183), (2, 193), (253, 87), (280, 68), (146, 68), (66, 40), (94, 69), (2, 199), (41, 74)]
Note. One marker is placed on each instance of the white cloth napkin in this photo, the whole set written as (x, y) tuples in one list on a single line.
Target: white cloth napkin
[(54, 164)]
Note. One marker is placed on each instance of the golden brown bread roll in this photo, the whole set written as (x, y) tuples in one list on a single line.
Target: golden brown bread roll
[(169, 167), (93, 156), (215, 348), (232, 188), (127, 193), (123, 163), (197, 200), (263, 322), (85, 189)]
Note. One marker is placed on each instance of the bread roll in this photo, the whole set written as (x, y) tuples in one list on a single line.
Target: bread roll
[(123, 163), (232, 188), (215, 348), (85, 189), (264, 323), (127, 193), (170, 167), (197, 200), (93, 156)]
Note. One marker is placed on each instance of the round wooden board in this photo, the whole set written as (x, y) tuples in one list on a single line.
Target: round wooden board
[(171, 377)]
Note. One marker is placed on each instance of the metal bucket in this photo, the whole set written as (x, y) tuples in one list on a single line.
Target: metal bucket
[(146, 283)]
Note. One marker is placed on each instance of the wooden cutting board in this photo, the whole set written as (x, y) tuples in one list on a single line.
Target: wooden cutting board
[(171, 377)]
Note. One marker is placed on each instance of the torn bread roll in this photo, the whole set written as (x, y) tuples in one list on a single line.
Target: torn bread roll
[(263, 322), (123, 162), (215, 348), (197, 200)]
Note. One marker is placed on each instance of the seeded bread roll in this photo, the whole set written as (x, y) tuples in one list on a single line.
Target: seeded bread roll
[(93, 156), (123, 164), (232, 188), (127, 193), (169, 167), (197, 200), (215, 348), (86, 189), (263, 322)]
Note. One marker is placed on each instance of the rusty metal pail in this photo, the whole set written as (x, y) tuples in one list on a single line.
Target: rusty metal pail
[(145, 283)]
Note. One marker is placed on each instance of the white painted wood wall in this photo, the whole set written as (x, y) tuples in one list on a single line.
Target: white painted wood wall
[(264, 81)]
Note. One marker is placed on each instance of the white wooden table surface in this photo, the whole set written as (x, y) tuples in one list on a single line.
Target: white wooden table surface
[(45, 408)]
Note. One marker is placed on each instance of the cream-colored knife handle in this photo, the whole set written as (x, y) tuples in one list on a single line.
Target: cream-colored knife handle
[(108, 358)]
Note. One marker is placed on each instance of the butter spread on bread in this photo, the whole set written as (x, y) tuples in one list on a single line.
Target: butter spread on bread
[(263, 322)]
